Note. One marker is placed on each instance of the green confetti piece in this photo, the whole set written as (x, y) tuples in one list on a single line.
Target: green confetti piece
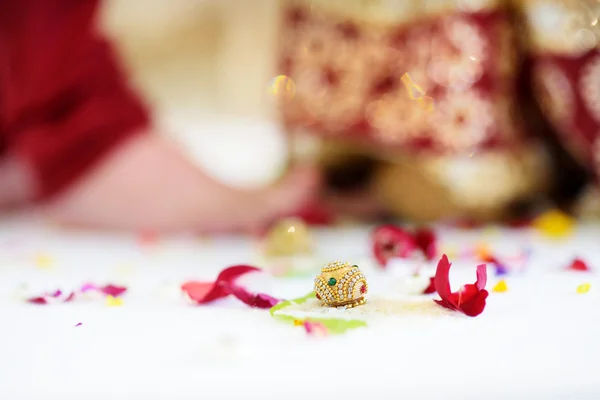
[(335, 326)]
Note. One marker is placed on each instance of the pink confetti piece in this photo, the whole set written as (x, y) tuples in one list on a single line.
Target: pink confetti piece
[(315, 328)]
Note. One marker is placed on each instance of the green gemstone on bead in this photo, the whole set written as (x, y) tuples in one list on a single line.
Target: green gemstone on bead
[(331, 282)]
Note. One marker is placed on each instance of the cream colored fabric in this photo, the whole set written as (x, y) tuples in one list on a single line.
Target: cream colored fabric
[(198, 56)]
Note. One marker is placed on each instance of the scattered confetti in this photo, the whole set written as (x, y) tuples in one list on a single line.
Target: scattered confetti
[(78, 324), (58, 296), (470, 299), (391, 241), (52, 297), (554, 224), (500, 287), (583, 288), (482, 251), (225, 285), (112, 301), (579, 265), (500, 268)]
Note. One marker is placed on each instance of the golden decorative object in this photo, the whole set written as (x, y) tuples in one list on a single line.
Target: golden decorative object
[(289, 237), (341, 285), (482, 186)]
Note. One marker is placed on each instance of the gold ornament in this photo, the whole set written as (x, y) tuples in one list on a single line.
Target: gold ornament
[(288, 237), (341, 285)]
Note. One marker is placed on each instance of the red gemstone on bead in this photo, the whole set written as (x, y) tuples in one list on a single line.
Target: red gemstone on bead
[(318, 297), (363, 289)]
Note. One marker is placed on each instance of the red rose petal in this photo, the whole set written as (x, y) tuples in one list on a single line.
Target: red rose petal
[(441, 278), (257, 300), (431, 288), (476, 304), (390, 241), (481, 277), (425, 239), (196, 291), (38, 300), (48, 298), (579, 265), (204, 292), (112, 290), (470, 300)]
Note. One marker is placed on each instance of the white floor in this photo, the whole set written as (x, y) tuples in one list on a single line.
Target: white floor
[(538, 340)]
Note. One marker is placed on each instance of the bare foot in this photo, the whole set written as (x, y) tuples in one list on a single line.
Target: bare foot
[(148, 184)]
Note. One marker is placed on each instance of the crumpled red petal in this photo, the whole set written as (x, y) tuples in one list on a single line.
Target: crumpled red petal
[(52, 297), (431, 288), (112, 290), (426, 240), (256, 300), (390, 241), (470, 300), (107, 290), (205, 292), (579, 265)]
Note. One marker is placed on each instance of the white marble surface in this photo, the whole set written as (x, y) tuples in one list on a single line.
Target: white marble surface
[(538, 340)]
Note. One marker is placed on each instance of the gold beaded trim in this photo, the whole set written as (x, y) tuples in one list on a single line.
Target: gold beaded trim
[(333, 266)]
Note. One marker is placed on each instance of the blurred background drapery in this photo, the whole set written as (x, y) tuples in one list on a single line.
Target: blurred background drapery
[(446, 84)]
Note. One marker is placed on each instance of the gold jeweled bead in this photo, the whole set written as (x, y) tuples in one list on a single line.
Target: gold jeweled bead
[(341, 284)]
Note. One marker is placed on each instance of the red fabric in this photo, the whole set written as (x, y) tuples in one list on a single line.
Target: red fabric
[(462, 79), (64, 102)]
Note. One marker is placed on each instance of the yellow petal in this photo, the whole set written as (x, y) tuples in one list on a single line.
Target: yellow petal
[(500, 287), (554, 224), (112, 301), (583, 288)]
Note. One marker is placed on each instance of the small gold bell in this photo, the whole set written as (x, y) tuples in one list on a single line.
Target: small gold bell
[(288, 237)]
